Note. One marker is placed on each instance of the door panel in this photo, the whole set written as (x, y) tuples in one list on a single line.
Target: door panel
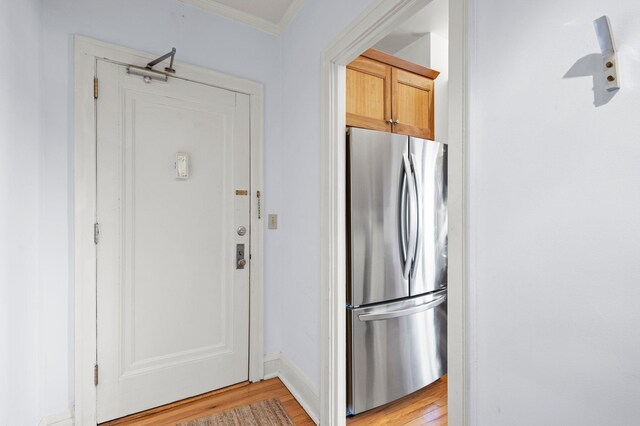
[(374, 193), (412, 104), (172, 309), (429, 160), (395, 349), (369, 94)]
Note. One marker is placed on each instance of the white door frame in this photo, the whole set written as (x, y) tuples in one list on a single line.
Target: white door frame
[(87, 52), (376, 22)]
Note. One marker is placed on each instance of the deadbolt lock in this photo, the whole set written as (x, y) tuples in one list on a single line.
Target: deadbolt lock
[(240, 260)]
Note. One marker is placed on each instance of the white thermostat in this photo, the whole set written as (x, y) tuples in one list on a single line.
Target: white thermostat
[(182, 165)]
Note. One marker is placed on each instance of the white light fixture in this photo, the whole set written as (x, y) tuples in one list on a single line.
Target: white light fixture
[(609, 59)]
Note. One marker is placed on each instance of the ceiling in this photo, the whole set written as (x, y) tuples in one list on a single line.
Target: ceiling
[(271, 16), (433, 18)]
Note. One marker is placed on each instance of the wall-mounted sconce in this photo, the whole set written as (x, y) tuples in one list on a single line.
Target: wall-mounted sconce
[(609, 59)]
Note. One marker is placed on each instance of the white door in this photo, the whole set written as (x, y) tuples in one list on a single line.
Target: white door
[(173, 309)]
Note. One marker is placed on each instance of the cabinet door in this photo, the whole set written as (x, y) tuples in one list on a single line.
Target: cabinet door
[(412, 104), (369, 94)]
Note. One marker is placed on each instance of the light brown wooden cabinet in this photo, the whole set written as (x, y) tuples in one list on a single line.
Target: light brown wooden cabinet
[(390, 94)]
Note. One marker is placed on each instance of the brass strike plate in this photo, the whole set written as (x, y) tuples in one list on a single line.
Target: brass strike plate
[(242, 192)]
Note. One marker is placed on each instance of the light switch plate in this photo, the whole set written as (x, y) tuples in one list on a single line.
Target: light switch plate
[(273, 221)]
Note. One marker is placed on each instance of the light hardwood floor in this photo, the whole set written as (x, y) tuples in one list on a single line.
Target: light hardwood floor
[(427, 406), (215, 402)]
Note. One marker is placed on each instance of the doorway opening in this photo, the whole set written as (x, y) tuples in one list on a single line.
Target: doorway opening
[(431, 34)]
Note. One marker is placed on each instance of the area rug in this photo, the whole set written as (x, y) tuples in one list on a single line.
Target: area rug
[(264, 413)]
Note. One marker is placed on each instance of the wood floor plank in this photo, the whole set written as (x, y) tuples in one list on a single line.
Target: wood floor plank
[(435, 417), (424, 407)]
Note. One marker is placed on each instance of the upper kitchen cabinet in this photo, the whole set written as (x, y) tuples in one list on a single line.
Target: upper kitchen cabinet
[(369, 94), (390, 94), (412, 104)]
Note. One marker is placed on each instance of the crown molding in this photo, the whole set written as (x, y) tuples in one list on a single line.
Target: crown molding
[(247, 18), (290, 13)]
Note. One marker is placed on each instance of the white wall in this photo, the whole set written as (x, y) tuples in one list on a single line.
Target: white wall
[(155, 26), (418, 52), (20, 180), (440, 61), (316, 25), (555, 214)]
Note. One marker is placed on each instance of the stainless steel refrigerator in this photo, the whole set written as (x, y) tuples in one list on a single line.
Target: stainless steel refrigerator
[(397, 266)]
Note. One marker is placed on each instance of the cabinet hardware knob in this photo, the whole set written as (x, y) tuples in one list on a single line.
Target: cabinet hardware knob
[(390, 121), (396, 122)]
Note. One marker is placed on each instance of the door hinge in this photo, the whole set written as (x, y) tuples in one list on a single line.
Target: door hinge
[(95, 375), (95, 87), (96, 232)]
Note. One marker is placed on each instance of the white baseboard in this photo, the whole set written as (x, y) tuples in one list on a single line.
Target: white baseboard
[(63, 418), (303, 390), (271, 365)]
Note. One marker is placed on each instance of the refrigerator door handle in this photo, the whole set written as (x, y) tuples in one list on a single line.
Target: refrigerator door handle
[(412, 220), (404, 312), (402, 214), (417, 181)]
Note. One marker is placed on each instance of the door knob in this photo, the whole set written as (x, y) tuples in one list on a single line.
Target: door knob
[(242, 230), (241, 263)]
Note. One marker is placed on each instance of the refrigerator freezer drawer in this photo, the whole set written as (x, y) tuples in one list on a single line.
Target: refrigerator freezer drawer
[(395, 349)]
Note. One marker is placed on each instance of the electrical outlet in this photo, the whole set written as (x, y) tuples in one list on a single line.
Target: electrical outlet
[(273, 221)]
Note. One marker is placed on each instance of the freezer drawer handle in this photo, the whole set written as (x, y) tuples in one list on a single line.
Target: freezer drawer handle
[(404, 312)]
